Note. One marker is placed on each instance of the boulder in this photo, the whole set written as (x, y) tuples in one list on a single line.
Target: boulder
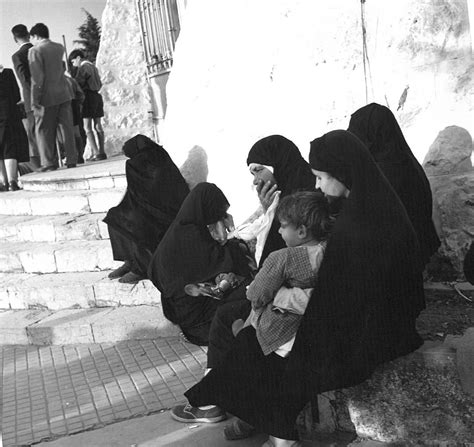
[(425, 398), (450, 153), (449, 169)]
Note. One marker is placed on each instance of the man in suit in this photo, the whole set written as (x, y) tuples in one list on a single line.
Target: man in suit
[(22, 70), (50, 98)]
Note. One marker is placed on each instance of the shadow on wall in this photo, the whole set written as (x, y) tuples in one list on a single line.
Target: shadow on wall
[(195, 169)]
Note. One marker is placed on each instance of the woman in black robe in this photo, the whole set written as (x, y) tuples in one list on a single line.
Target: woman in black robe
[(362, 311), (188, 254), (155, 191), (378, 129), (13, 138), (291, 173)]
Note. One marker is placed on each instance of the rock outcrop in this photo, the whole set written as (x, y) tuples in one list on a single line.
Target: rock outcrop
[(121, 63), (451, 175)]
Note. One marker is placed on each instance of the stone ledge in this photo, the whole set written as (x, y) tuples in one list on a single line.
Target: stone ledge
[(66, 290), (44, 203), (72, 326), (64, 256), (54, 228)]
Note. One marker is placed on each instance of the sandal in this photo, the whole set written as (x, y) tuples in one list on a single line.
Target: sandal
[(238, 429)]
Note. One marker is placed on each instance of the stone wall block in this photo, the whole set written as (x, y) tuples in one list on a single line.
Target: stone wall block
[(10, 262), (39, 260), (102, 201), (416, 398), (57, 204)]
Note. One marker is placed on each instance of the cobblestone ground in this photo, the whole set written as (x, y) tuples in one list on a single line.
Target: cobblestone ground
[(52, 391)]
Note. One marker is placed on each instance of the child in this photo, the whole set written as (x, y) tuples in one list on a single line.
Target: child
[(305, 224)]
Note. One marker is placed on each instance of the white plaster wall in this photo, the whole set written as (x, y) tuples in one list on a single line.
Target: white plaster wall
[(247, 69), (121, 63)]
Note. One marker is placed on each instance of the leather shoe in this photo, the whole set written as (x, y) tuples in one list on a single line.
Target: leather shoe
[(98, 157), (71, 165), (46, 168), (14, 186)]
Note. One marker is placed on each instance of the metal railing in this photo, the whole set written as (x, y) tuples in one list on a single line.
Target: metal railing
[(159, 24)]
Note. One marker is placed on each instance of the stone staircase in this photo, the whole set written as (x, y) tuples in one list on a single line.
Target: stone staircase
[(55, 256)]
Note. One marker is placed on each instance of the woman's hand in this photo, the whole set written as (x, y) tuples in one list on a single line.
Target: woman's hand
[(266, 193)]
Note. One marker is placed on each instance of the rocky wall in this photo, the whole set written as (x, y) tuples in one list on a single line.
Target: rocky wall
[(244, 70), (122, 66)]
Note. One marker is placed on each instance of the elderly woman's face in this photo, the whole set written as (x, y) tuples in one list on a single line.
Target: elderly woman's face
[(261, 174), (330, 185)]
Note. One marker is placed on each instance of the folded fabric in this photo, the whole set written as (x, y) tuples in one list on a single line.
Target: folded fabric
[(258, 228), (292, 300)]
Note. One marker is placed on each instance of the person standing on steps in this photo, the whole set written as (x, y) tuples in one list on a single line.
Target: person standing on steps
[(13, 139), (88, 79), (22, 71), (50, 99)]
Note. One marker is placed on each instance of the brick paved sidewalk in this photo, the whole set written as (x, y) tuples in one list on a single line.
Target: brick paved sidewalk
[(53, 391)]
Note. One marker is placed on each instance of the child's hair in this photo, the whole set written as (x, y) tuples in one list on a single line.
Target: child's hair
[(310, 209)]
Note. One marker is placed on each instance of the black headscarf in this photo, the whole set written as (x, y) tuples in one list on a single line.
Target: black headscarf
[(155, 192), (370, 291), (188, 254), (378, 129), (292, 173)]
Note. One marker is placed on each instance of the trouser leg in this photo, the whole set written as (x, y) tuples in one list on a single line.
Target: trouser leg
[(46, 121), (66, 127), (221, 337), (29, 124)]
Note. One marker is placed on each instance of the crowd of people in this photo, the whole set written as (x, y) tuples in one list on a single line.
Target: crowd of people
[(60, 111), (330, 289)]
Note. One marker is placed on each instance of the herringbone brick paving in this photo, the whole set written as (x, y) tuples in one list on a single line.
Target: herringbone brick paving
[(52, 391)]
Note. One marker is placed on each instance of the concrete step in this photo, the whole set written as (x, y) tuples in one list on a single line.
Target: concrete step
[(44, 203), (64, 256), (98, 175), (72, 326), (83, 290), (57, 228)]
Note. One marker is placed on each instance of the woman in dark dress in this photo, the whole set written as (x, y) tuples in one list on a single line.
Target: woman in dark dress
[(13, 138), (291, 173), (362, 311), (189, 254), (155, 191), (275, 163), (378, 129)]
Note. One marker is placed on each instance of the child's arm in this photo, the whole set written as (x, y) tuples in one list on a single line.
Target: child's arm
[(268, 280)]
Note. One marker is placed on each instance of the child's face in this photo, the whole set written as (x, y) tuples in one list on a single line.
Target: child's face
[(292, 236)]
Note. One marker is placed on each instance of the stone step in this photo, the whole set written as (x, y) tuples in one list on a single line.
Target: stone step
[(72, 326), (57, 228), (64, 256), (100, 175), (83, 290), (44, 203)]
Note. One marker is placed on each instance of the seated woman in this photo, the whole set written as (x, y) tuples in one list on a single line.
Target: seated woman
[(362, 311), (188, 254), (378, 129), (276, 164), (278, 170), (155, 191)]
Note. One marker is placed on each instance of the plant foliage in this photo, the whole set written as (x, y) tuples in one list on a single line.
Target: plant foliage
[(89, 36)]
